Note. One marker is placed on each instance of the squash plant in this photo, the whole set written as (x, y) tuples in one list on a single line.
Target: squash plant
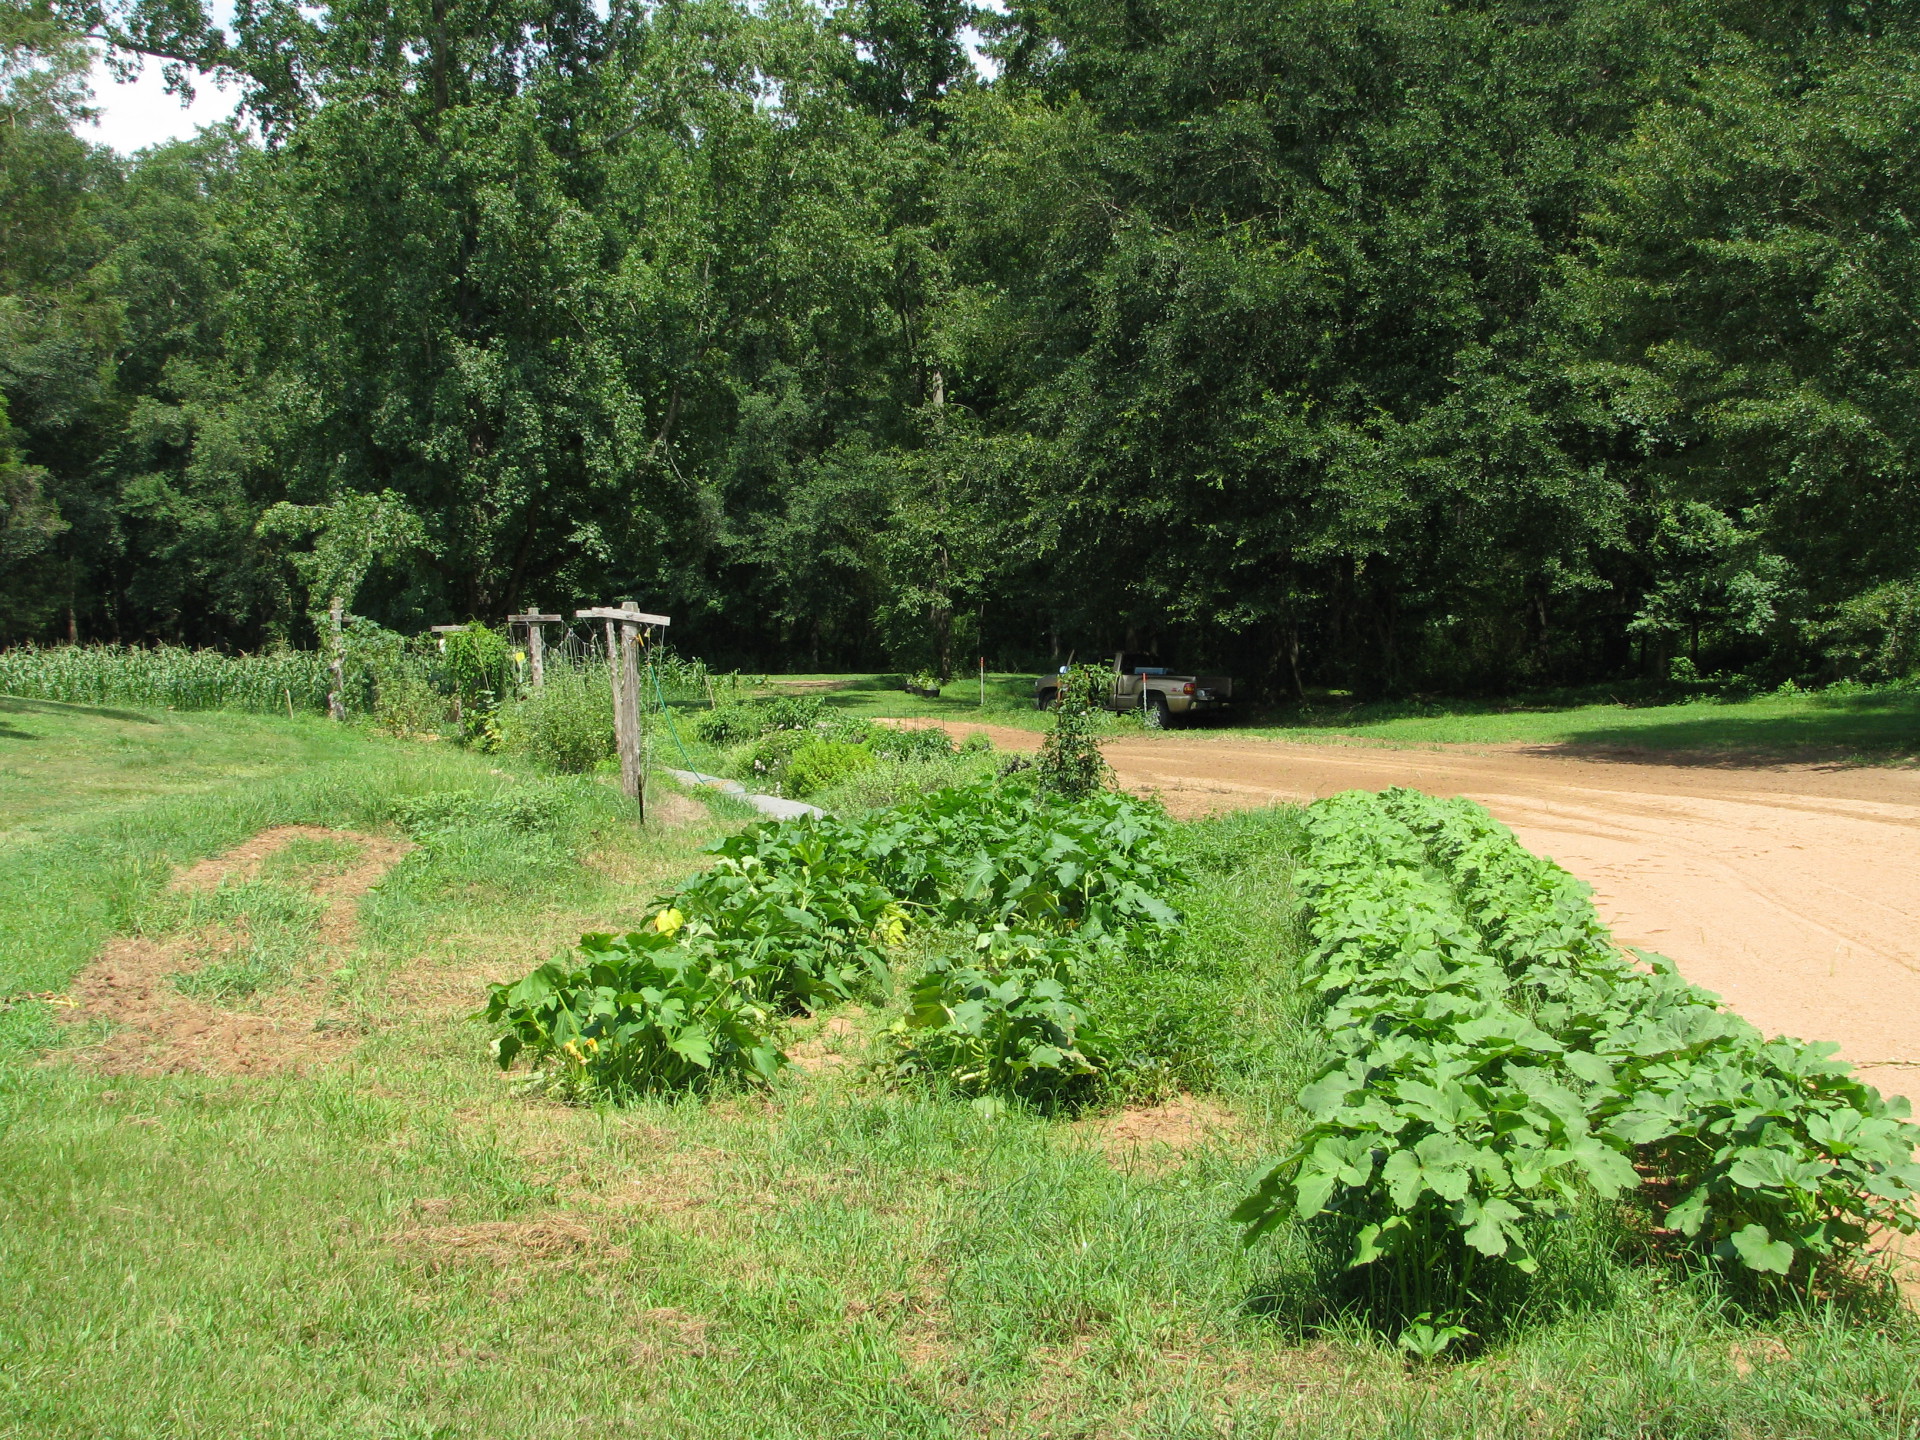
[(1004, 1022), (807, 911), (658, 1009), (1779, 1157)]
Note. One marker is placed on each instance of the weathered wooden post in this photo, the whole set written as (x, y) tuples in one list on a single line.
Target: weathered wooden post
[(624, 661), (536, 626)]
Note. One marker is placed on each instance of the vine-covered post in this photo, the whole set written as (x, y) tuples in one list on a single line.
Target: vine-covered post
[(624, 661), (337, 660), (459, 708)]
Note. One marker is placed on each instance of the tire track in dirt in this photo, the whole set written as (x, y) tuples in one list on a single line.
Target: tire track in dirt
[(158, 1029), (1792, 891)]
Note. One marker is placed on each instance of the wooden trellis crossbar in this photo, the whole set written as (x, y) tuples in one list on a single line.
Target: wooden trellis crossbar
[(634, 616)]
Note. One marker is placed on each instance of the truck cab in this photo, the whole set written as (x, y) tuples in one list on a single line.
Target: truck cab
[(1140, 682)]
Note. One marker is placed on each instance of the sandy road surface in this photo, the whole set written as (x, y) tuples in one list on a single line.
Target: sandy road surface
[(1792, 891)]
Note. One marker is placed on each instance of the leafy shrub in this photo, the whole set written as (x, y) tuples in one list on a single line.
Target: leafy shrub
[(567, 725), (478, 668), (409, 704), (849, 729), (1070, 762), (817, 763), (802, 762), (1876, 634), (395, 678), (766, 760), (912, 746), (792, 712), (898, 782), (649, 1011), (736, 724), (1007, 1024), (729, 725)]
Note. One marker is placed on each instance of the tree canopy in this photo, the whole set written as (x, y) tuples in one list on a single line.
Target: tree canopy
[(1380, 344)]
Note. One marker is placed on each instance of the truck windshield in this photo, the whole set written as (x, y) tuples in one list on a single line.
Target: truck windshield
[(1131, 663)]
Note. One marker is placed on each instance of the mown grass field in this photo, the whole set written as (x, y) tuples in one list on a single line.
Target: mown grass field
[(386, 1240), (1873, 726)]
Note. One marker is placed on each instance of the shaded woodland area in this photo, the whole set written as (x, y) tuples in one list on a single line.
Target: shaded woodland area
[(1364, 343)]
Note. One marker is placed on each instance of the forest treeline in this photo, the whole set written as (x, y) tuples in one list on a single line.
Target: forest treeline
[(1378, 344)]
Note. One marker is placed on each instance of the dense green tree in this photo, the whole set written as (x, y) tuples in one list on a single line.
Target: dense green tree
[(1383, 344), (1746, 318)]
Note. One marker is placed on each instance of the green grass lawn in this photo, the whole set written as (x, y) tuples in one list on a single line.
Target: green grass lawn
[(1873, 726), (394, 1243), (1006, 699), (59, 762)]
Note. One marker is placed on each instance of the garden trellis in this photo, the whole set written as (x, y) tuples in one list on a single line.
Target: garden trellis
[(623, 656), (536, 628)]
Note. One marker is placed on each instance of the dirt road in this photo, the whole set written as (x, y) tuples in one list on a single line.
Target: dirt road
[(1792, 891)]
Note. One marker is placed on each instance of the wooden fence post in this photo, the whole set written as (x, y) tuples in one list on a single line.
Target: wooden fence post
[(623, 655), (633, 775)]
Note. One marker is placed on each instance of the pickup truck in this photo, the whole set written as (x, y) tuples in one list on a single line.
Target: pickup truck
[(1141, 683)]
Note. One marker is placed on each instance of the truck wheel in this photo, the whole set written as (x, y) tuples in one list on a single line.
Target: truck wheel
[(1045, 699), (1158, 716)]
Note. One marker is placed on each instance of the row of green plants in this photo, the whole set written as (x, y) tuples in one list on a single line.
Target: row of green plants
[(1494, 1062), (994, 901), (796, 745), (169, 677)]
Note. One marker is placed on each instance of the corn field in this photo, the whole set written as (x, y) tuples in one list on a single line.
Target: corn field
[(166, 676), (174, 677)]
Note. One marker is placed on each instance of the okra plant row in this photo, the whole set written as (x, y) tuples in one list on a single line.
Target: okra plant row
[(1492, 1055)]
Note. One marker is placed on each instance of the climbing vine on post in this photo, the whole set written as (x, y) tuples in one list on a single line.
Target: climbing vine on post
[(477, 665), (350, 535), (1070, 763)]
